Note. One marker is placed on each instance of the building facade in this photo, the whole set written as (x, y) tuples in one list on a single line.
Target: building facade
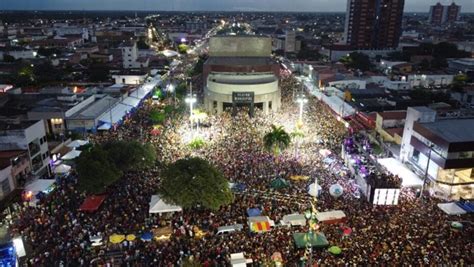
[(443, 150), (440, 14), (373, 24), (241, 72)]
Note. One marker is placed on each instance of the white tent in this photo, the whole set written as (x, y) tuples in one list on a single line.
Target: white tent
[(118, 112), (330, 216), (131, 101), (104, 127), (77, 143), (451, 208), (71, 155), (409, 179), (157, 205), (170, 53), (61, 169), (40, 185), (294, 219), (314, 189), (239, 260)]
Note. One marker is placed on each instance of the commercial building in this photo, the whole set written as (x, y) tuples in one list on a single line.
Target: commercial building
[(14, 170), (240, 72), (29, 136), (290, 41), (440, 14), (442, 149), (130, 57), (373, 24), (389, 126)]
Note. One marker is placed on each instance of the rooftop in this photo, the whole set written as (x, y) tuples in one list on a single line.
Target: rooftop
[(5, 126), (453, 130), (393, 115)]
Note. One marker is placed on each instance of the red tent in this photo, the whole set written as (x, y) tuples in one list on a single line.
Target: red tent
[(92, 203)]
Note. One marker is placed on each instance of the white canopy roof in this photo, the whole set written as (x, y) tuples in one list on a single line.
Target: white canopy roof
[(77, 143), (409, 179), (313, 189), (330, 215), (157, 205), (118, 112), (104, 127), (131, 101), (451, 208), (71, 155), (294, 219), (39, 185), (169, 53), (63, 168)]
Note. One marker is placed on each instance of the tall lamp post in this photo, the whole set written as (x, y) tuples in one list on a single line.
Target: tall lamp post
[(301, 99), (310, 216), (191, 99)]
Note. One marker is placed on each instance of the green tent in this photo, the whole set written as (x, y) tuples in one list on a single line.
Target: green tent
[(279, 183), (317, 240), (335, 250)]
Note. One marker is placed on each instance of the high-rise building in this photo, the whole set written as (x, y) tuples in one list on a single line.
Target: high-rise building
[(440, 14), (290, 41), (373, 24)]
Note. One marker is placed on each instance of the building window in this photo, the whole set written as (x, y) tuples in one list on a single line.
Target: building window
[(214, 104), (269, 104), (6, 187), (416, 155), (123, 80)]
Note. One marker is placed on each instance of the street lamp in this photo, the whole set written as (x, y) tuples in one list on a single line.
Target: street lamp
[(301, 99), (426, 171)]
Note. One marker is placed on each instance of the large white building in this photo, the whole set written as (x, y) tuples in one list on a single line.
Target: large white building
[(240, 72), (29, 136), (130, 57)]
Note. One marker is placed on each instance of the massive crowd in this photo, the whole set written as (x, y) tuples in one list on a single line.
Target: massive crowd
[(412, 233)]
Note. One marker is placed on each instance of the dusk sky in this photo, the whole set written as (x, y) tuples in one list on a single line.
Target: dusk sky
[(210, 5)]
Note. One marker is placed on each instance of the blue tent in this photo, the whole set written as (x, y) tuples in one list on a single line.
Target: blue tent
[(467, 206), (238, 187), (254, 212), (147, 236)]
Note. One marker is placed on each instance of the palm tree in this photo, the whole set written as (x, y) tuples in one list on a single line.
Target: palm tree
[(276, 140)]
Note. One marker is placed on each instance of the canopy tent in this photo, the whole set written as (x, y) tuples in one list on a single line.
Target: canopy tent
[(40, 185), (335, 250), (157, 205), (104, 127), (294, 219), (409, 179), (96, 240), (318, 240), (260, 224), (62, 169), (77, 143), (170, 53), (147, 236), (71, 155), (253, 212), (239, 260), (466, 205), (131, 101), (314, 189), (162, 233), (451, 208), (299, 177), (333, 216), (116, 114), (116, 238), (142, 91), (279, 183), (92, 203)]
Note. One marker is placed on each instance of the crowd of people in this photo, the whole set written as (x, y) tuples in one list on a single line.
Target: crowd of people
[(411, 233)]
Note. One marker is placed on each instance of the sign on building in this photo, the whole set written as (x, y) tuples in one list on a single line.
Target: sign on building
[(242, 99)]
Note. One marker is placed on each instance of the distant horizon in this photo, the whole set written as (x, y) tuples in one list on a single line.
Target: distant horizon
[(415, 6), (187, 11)]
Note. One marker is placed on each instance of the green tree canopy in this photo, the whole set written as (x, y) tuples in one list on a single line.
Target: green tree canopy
[(95, 171), (182, 49), (357, 60), (276, 140), (194, 181), (129, 155)]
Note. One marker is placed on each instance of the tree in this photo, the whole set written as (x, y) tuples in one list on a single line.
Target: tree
[(276, 140), (141, 44), (8, 58), (194, 181), (182, 49), (130, 155), (95, 170), (357, 60)]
